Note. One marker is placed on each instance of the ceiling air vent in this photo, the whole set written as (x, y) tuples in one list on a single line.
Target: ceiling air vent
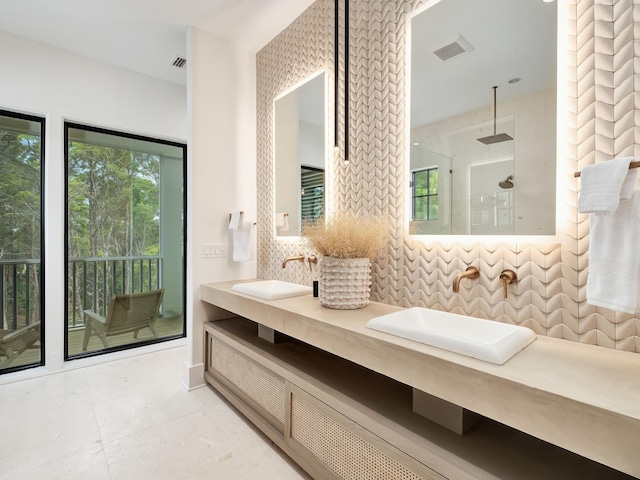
[(179, 62), (452, 48)]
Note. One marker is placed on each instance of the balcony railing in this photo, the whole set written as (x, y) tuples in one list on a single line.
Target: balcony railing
[(19, 292), (93, 281)]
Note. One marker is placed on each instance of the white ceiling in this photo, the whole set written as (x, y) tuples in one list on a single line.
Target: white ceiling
[(146, 35)]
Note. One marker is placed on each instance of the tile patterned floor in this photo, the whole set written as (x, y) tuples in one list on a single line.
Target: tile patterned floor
[(130, 419)]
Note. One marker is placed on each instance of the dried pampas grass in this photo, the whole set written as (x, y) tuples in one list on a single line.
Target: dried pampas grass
[(348, 236)]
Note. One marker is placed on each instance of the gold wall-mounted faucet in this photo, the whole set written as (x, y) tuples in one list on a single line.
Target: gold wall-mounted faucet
[(299, 258), (507, 277), (471, 273)]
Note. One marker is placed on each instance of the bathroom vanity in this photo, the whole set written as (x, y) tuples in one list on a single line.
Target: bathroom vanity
[(337, 397)]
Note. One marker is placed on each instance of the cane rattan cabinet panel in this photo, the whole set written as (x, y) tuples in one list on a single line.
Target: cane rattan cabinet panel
[(256, 385)]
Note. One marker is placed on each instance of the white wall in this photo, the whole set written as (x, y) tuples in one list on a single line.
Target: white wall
[(221, 174), (42, 80)]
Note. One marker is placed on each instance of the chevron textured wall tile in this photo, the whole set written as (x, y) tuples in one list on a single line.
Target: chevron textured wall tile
[(588, 323), (625, 331), (517, 316), (543, 305), (533, 325), (620, 317), (543, 258), (538, 321), (604, 340), (520, 298), (607, 314), (590, 337), (555, 330), (561, 331), (627, 344), (602, 122), (606, 327)]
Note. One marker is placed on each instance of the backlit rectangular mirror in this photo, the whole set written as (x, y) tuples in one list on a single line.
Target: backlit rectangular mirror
[(483, 118), (300, 148)]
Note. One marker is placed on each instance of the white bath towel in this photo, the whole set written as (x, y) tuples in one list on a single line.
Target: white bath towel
[(242, 241), (614, 258), (602, 185), (282, 222)]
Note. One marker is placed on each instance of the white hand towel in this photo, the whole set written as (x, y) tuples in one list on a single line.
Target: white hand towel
[(242, 243), (282, 222), (629, 184), (601, 185), (614, 258), (235, 219)]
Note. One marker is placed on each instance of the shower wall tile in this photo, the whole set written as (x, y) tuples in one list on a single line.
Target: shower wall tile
[(603, 121)]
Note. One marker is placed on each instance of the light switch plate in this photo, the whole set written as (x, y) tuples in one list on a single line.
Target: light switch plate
[(216, 250)]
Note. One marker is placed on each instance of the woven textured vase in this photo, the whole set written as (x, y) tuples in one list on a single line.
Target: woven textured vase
[(345, 283)]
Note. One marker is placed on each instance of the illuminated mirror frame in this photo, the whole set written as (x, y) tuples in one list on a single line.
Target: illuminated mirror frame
[(562, 122), (326, 146)]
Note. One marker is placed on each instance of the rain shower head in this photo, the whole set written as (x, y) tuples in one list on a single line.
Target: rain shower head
[(496, 137), (507, 182)]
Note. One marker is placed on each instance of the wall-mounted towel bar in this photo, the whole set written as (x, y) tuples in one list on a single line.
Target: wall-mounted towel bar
[(241, 213), (631, 165)]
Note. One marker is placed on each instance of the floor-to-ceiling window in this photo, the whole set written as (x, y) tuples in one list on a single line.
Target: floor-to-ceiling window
[(21, 234), (125, 240)]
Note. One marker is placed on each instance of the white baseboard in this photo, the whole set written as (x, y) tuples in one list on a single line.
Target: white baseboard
[(193, 376)]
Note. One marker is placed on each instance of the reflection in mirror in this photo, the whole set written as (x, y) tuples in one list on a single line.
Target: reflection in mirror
[(483, 159), (299, 151)]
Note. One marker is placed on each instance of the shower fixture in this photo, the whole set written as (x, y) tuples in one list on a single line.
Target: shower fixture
[(496, 137), (507, 182)]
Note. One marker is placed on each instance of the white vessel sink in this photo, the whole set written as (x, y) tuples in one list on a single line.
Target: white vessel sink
[(486, 340), (272, 289)]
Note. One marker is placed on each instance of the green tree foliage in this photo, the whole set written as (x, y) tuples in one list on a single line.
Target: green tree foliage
[(19, 195), (113, 213), (114, 201), (20, 227)]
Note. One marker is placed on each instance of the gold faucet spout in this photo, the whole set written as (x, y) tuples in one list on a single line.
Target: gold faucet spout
[(299, 258), (471, 273)]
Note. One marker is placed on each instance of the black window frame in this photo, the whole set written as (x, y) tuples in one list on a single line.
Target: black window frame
[(312, 174), (41, 300), (428, 195), (128, 135)]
